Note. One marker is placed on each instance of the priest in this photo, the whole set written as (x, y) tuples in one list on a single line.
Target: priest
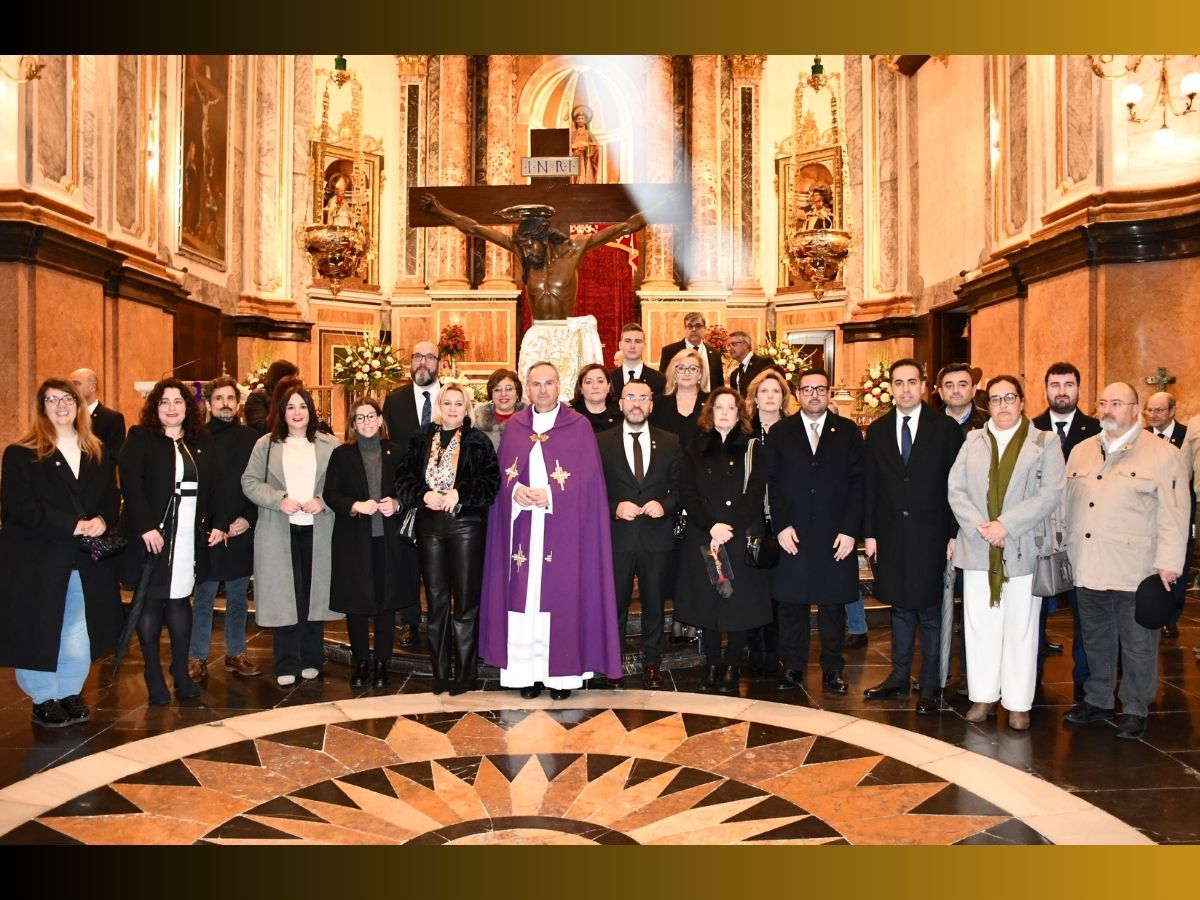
[(548, 617)]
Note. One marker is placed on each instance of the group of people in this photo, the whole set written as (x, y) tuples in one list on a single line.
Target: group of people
[(530, 520)]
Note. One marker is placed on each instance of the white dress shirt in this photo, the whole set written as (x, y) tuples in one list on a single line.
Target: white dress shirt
[(809, 423), (914, 416), (643, 439), (419, 398)]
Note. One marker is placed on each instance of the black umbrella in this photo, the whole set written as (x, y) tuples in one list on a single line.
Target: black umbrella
[(135, 609)]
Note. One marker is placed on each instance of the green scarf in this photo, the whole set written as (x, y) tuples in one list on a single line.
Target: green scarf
[(999, 475)]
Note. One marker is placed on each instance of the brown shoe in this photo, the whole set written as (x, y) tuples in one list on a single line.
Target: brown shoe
[(197, 669), (980, 711), (1018, 721), (241, 665)]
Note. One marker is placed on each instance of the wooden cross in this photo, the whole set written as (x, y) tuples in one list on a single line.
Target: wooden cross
[(1162, 379)]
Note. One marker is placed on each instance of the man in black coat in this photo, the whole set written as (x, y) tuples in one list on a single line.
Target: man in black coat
[(693, 326), (407, 410), (910, 528), (107, 424), (1072, 426), (633, 367), (641, 474), (1160, 420), (815, 492), (232, 560), (749, 363)]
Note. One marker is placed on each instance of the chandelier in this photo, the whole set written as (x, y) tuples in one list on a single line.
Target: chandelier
[(1132, 94), (339, 245)]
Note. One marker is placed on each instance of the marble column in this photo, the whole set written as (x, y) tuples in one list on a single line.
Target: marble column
[(747, 168), (502, 74), (660, 261), (267, 222), (454, 167), (413, 96), (704, 273), (887, 185)]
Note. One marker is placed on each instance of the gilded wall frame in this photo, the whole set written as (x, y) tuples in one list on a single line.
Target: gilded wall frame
[(795, 176), (329, 162)]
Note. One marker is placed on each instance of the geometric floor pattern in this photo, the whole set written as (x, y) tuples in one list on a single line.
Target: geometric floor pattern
[(619, 773)]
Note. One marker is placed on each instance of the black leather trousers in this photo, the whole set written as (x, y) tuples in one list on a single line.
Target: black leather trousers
[(451, 549)]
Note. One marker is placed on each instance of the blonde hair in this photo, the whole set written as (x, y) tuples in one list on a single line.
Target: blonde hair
[(676, 360), (463, 389), (757, 382), (42, 436)]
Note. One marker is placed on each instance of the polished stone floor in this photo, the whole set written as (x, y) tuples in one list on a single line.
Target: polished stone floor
[(322, 763)]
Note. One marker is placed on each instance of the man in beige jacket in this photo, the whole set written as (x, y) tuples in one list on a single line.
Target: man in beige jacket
[(1126, 508)]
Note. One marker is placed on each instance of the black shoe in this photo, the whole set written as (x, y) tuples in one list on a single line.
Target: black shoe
[(855, 641), (559, 693), (888, 690), (1078, 693), (76, 709), (1053, 649), (379, 676), (461, 687), (407, 636), (1170, 632), (50, 715), (361, 674), (711, 678), (617, 684), (532, 691), (1083, 713), (832, 683), (1131, 727), (928, 705), (729, 680), (187, 690), (789, 679), (756, 663)]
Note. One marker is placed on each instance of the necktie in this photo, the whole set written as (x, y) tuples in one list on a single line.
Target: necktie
[(1161, 435), (629, 377), (814, 437), (425, 410), (1062, 431), (905, 441), (639, 469)]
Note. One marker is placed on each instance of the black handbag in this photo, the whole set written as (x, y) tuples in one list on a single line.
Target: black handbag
[(761, 552), (101, 546), (680, 526)]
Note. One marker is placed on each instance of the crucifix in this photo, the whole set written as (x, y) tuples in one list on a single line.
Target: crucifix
[(1162, 379)]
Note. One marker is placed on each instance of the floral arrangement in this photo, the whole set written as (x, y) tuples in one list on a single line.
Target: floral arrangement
[(791, 360), (367, 365), (877, 393), (716, 338), (256, 378), (453, 341)]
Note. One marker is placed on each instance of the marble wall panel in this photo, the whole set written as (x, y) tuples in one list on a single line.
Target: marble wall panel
[(888, 188), (1079, 100), (144, 349), (14, 351), (127, 160), (1058, 326), (53, 118), (62, 341), (491, 329), (853, 272), (302, 116), (1018, 150), (995, 338)]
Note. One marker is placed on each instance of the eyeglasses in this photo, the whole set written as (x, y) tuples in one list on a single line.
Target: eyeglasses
[(637, 398), (1008, 399), (1115, 405), (366, 417), (1157, 410), (739, 341), (687, 370), (809, 389), (425, 357), (64, 400)]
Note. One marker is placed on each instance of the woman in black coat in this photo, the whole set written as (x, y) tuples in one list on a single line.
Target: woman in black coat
[(366, 559), (451, 476), (593, 398), (723, 509), (169, 477), (59, 610)]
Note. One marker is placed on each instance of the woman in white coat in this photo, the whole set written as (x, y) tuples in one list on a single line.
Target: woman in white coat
[(286, 478), (1003, 486)]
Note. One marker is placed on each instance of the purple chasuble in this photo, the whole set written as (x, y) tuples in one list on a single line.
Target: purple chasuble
[(577, 574)]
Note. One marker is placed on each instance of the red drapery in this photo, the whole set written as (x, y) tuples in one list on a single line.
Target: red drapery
[(605, 291)]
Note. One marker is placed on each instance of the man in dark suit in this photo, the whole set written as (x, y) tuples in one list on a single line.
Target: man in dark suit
[(107, 424), (815, 490), (641, 473), (407, 410), (910, 528), (1072, 426), (232, 560), (633, 367), (693, 326), (749, 364), (1160, 419)]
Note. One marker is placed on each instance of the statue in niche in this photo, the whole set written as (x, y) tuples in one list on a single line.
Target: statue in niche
[(585, 146)]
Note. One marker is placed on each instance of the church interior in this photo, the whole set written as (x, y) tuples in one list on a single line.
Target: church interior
[(166, 214)]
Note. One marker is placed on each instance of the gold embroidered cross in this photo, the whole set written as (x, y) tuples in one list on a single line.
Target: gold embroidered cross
[(520, 558), (560, 475), (550, 556), (512, 471)]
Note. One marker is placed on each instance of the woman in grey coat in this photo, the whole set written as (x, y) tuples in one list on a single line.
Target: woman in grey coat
[(285, 478), (1003, 485)]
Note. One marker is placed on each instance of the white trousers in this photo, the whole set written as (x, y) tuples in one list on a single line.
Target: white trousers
[(1002, 641)]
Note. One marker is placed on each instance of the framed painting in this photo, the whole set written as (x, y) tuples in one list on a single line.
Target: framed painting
[(204, 157), (810, 190), (334, 199)]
